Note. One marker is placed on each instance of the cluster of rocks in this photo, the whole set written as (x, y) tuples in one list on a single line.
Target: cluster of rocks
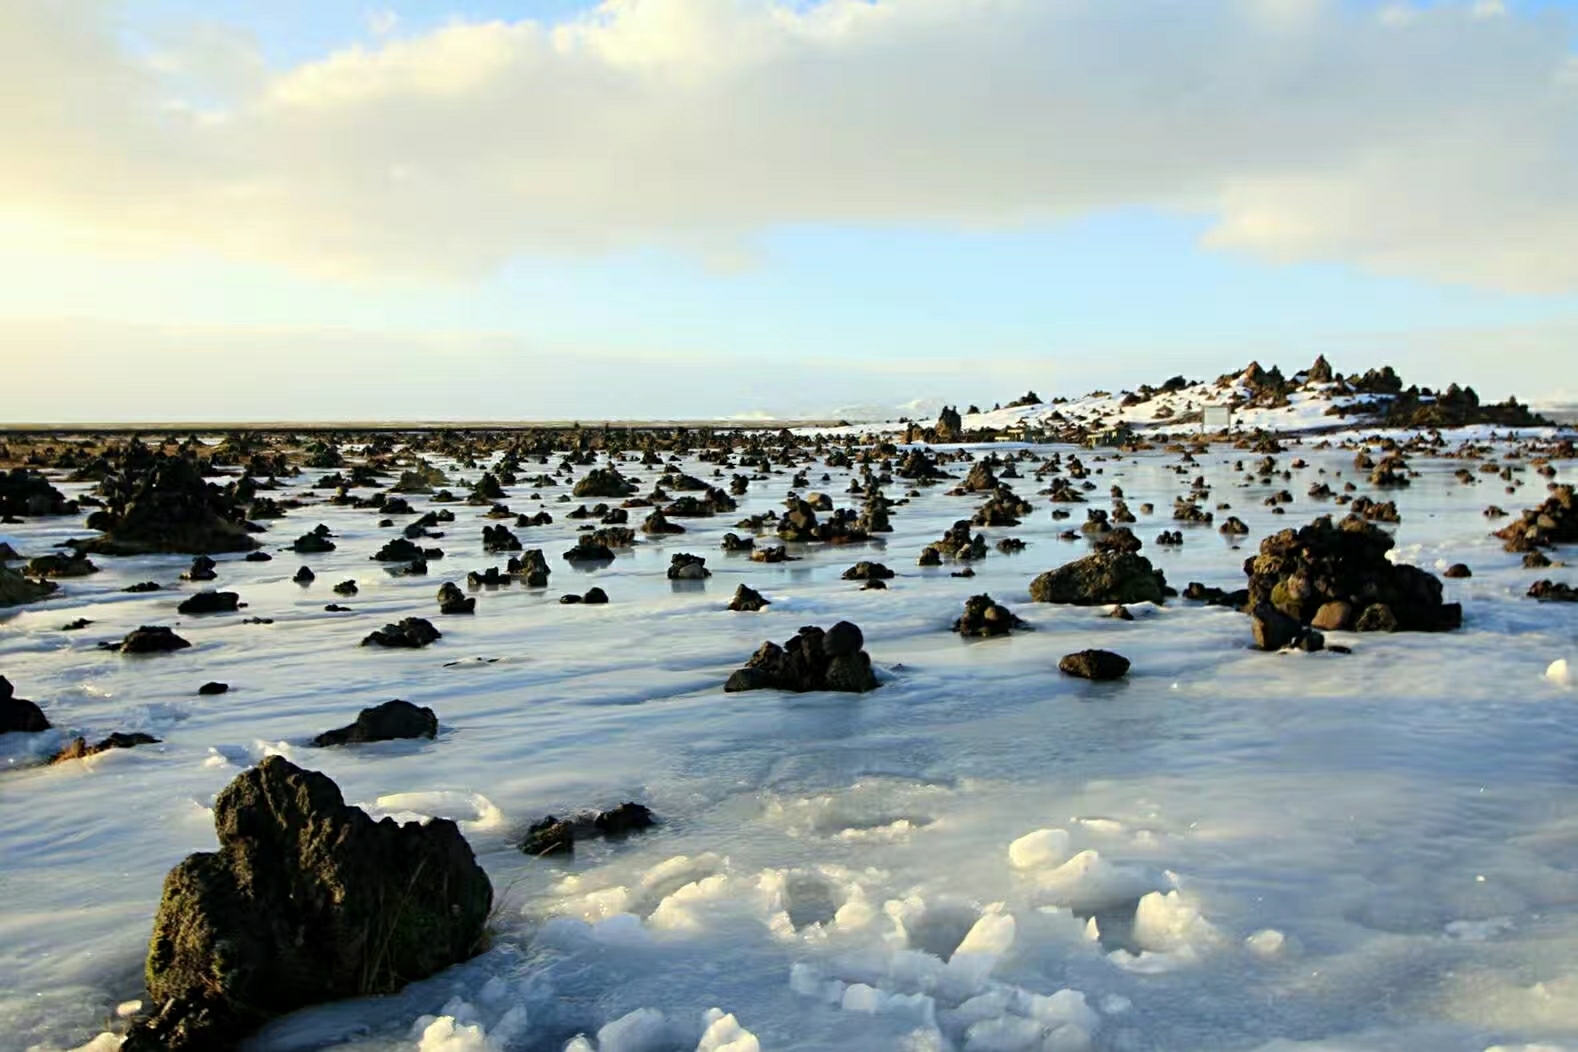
[(1336, 576), (411, 633), (557, 836), (983, 618), (833, 660), (161, 503), (1553, 522), (26, 493)]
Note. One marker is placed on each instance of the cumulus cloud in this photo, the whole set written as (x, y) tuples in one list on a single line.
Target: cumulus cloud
[(1437, 142)]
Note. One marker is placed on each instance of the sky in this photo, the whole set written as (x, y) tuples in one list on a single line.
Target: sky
[(549, 209)]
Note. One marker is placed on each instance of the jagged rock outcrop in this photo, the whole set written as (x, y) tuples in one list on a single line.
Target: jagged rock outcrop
[(160, 503), (307, 900)]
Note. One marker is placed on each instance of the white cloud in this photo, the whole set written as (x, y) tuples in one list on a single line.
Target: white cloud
[(1442, 148)]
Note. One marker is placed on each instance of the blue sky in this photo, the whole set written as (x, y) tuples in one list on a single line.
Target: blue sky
[(960, 260)]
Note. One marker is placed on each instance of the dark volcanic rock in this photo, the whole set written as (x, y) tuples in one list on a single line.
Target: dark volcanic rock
[(16, 589), (387, 722), (551, 836), (1101, 580), (587, 550), (19, 714), (812, 660), (151, 639), (56, 566), (747, 599), (1273, 629), (499, 539), (1553, 592), (202, 569), (983, 618), (686, 567), (595, 597), (1099, 665), (312, 544), (210, 603), (1553, 522), (868, 571), (1299, 571), (305, 576), (160, 503), (399, 550), (604, 482), (1457, 572), (623, 820), (26, 493), (306, 901), (557, 836), (80, 749), (452, 601), (410, 634), (210, 689)]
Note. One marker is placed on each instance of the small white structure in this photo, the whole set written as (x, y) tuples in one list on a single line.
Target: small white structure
[(1215, 418)]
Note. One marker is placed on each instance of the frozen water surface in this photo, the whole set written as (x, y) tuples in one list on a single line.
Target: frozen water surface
[(1227, 851)]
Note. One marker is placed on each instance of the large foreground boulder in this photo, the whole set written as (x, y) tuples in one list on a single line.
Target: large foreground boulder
[(1338, 574), (1102, 580), (812, 660), (307, 900)]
